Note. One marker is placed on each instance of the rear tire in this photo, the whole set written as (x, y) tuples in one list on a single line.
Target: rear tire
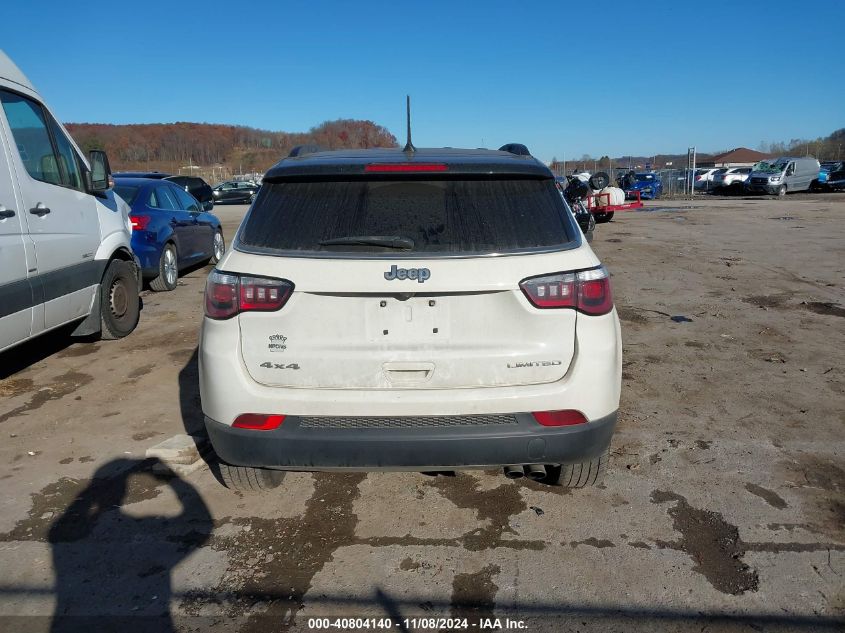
[(604, 216), (580, 475), (218, 247), (119, 304), (250, 479), (168, 271)]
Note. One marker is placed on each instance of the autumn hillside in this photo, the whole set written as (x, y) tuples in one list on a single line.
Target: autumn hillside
[(216, 151)]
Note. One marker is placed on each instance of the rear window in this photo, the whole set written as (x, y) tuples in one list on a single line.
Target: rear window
[(430, 216), (127, 192)]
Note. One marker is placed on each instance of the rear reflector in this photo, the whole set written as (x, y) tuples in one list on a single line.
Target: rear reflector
[(587, 291), (404, 167), (227, 295), (258, 421), (567, 417)]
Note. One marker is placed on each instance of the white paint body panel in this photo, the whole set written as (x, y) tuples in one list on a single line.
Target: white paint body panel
[(333, 327)]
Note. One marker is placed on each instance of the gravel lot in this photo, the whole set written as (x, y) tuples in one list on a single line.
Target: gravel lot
[(724, 507)]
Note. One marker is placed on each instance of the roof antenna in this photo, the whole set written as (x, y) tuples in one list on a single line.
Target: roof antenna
[(409, 146)]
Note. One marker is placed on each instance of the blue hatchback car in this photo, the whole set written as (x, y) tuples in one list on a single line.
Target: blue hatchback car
[(170, 231)]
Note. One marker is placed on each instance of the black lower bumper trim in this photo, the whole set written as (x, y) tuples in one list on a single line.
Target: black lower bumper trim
[(292, 447)]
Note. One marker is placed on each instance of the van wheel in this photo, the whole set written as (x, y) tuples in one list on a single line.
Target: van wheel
[(250, 479), (168, 271), (580, 475), (782, 190), (119, 303)]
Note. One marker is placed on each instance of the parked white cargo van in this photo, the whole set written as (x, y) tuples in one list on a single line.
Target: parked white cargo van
[(65, 252), (783, 175)]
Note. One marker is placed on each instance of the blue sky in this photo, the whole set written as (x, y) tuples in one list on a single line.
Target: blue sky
[(565, 78)]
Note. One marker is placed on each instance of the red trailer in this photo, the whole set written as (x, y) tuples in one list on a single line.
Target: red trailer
[(594, 203)]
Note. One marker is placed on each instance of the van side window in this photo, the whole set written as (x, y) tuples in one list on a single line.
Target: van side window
[(29, 129), (68, 160), (44, 149)]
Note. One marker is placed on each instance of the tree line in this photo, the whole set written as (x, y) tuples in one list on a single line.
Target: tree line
[(165, 145)]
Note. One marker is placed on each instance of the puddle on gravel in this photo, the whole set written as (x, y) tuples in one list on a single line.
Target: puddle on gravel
[(711, 542), (769, 301), (631, 315), (57, 498), (769, 496), (496, 506), (273, 561), (474, 595), (60, 387), (143, 370), (827, 309), (593, 542), (77, 350)]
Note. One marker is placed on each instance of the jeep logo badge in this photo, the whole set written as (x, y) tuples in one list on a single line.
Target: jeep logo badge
[(420, 274)]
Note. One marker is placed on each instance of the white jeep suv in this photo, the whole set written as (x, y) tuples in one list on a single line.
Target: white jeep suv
[(427, 310)]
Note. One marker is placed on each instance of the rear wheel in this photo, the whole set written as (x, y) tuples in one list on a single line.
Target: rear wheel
[(119, 305), (168, 271), (218, 247), (580, 475), (249, 479)]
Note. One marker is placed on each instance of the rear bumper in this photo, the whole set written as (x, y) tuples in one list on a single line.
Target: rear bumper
[(293, 447), (148, 254)]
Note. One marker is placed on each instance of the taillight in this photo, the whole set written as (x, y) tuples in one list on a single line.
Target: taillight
[(227, 294), (139, 222), (567, 417), (698, 177), (258, 421), (587, 291)]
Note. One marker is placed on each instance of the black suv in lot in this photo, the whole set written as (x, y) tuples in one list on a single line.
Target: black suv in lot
[(194, 185)]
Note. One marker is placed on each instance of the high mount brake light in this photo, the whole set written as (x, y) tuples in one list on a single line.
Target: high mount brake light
[(587, 291), (567, 417), (404, 167), (258, 421), (139, 222), (227, 295)]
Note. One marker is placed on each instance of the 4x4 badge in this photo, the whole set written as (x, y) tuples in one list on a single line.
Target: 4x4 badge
[(420, 274)]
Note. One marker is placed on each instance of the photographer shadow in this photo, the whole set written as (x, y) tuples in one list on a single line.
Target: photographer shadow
[(113, 568)]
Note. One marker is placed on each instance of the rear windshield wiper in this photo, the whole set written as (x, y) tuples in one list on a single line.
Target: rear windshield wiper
[(387, 241)]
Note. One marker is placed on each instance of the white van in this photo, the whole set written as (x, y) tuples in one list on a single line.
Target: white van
[(65, 253), (783, 175)]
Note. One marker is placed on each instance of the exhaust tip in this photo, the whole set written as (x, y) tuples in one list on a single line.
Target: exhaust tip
[(514, 472), (535, 472)]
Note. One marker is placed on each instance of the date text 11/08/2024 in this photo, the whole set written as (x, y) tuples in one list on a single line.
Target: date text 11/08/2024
[(416, 624)]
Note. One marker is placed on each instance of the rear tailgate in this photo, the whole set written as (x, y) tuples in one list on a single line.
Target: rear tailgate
[(358, 330)]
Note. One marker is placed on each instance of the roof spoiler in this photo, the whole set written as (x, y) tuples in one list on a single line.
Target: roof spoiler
[(302, 150), (515, 148)]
